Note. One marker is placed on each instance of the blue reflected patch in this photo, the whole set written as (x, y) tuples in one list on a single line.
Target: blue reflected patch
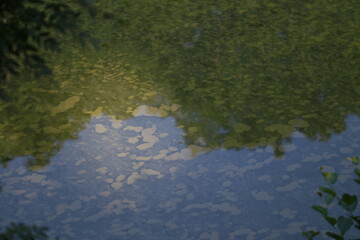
[(103, 186)]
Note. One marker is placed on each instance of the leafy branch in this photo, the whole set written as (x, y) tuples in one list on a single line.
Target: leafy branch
[(20, 231), (342, 224), (29, 26)]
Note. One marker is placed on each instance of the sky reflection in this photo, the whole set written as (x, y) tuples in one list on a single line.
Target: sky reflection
[(136, 179)]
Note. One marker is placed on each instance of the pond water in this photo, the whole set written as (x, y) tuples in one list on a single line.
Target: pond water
[(193, 121)]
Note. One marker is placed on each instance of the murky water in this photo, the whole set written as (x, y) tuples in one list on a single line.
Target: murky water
[(194, 121)]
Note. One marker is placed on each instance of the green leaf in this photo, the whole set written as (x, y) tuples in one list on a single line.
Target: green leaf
[(355, 160), (348, 202), (328, 199), (310, 234), (330, 177), (327, 190), (356, 219), (357, 172), (344, 224), (320, 209), (334, 236), (330, 220)]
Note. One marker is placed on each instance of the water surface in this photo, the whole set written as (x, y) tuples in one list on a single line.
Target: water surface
[(193, 121)]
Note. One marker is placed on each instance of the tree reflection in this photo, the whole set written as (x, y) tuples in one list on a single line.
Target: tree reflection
[(250, 73), (41, 114), (247, 74)]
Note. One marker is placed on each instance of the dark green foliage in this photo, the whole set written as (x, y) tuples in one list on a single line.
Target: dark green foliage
[(320, 209), (348, 202), (29, 26), (310, 234), (20, 231)]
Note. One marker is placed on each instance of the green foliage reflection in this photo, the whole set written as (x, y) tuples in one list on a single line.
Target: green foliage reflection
[(247, 74), (250, 73)]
